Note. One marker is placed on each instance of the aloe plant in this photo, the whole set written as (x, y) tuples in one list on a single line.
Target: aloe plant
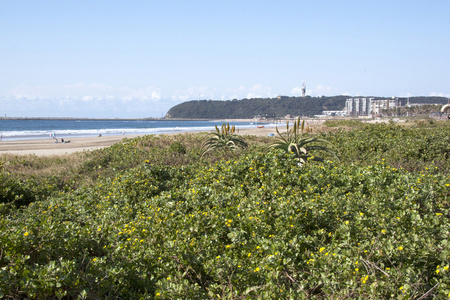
[(224, 138), (294, 141)]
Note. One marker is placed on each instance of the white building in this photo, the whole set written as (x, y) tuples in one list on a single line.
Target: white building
[(369, 106), (358, 106), (383, 104)]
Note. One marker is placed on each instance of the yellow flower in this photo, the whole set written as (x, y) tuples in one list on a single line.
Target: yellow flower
[(383, 231), (400, 248), (321, 249), (257, 269), (365, 279), (446, 268), (26, 233)]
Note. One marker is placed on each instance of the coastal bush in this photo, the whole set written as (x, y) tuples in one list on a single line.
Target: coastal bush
[(19, 192), (254, 226), (250, 224), (342, 123), (177, 148), (410, 148)]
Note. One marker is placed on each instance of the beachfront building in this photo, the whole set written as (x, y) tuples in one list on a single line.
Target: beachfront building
[(358, 106), (370, 106), (384, 104)]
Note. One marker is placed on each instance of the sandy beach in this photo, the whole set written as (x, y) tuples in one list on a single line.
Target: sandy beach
[(45, 147)]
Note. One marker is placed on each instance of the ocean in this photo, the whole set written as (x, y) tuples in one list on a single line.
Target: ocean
[(21, 129)]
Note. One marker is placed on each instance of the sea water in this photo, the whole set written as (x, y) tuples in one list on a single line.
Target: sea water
[(18, 129)]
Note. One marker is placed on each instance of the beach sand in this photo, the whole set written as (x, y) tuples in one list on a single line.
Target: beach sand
[(45, 147)]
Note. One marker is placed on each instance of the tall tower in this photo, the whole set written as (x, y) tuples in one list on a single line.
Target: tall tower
[(303, 89)]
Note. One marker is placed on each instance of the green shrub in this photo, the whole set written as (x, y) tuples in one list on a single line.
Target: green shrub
[(343, 123), (254, 224), (177, 148)]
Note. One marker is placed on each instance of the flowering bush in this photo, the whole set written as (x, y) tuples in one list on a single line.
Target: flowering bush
[(254, 225)]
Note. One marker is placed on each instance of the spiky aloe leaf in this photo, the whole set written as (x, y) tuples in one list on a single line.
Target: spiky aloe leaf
[(223, 138), (294, 142)]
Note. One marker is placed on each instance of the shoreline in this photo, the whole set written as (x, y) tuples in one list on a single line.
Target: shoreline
[(72, 130), (123, 119), (48, 147)]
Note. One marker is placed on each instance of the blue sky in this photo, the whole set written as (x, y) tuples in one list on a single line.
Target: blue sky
[(139, 58)]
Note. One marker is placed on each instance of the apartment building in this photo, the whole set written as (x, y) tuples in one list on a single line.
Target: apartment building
[(370, 106)]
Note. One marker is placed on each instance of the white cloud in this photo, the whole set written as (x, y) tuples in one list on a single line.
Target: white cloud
[(80, 99), (259, 91), (297, 91), (87, 98), (434, 94), (194, 93), (27, 92), (85, 92), (206, 92)]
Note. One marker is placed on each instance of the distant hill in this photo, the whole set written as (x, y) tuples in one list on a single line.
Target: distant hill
[(271, 107)]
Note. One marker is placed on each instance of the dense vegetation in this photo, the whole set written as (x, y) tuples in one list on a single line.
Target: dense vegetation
[(147, 218), (277, 108)]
